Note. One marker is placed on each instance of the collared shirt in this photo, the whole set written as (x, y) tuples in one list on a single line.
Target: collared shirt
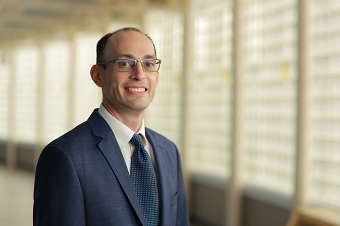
[(123, 135)]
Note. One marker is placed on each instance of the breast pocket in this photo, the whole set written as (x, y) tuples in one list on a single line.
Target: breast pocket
[(173, 209), (173, 200)]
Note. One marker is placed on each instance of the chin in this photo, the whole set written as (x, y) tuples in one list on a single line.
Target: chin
[(138, 106)]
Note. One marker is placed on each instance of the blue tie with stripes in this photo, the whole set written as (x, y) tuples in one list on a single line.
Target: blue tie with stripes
[(144, 181)]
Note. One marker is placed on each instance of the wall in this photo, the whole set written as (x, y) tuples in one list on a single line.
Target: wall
[(259, 207)]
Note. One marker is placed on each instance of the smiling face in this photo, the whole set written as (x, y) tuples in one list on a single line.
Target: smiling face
[(127, 92)]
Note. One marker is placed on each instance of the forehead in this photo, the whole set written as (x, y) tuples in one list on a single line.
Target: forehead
[(131, 43)]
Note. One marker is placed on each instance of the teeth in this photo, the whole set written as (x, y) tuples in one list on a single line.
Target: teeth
[(137, 89)]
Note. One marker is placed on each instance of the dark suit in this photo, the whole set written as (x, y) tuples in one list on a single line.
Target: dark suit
[(82, 179)]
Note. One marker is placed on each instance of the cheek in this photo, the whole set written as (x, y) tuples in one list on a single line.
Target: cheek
[(109, 81), (154, 81), (112, 84), (157, 78), (108, 85)]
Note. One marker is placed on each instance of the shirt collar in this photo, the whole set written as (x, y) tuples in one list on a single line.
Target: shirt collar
[(122, 133)]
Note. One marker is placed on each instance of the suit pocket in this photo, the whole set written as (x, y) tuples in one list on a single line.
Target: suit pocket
[(173, 200), (173, 210)]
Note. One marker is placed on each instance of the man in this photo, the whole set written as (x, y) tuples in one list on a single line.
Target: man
[(111, 170)]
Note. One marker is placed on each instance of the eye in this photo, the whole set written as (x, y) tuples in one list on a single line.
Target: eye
[(149, 64), (124, 63)]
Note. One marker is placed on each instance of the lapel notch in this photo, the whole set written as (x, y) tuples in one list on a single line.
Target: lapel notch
[(110, 149)]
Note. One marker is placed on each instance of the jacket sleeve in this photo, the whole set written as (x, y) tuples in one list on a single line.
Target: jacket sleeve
[(182, 204), (58, 197)]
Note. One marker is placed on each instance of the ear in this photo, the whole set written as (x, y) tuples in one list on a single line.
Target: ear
[(97, 75)]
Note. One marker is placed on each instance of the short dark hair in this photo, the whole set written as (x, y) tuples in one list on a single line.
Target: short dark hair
[(102, 43)]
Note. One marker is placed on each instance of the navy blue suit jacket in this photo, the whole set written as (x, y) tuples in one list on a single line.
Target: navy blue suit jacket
[(82, 179)]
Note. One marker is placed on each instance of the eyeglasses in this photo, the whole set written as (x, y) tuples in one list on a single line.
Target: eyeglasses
[(128, 65)]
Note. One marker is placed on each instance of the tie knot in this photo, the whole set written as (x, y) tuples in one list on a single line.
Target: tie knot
[(136, 140)]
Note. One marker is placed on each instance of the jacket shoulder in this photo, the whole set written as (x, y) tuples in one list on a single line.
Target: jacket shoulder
[(77, 133), (92, 129), (154, 134)]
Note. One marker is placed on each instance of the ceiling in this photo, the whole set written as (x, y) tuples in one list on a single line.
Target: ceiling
[(23, 19)]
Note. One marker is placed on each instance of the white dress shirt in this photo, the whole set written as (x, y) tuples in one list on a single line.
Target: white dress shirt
[(123, 135)]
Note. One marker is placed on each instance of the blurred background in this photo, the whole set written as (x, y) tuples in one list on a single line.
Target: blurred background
[(249, 90)]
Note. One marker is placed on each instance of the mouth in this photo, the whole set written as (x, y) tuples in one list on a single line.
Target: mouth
[(138, 90)]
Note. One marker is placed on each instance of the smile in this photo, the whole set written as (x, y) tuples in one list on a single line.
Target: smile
[(137, 89)]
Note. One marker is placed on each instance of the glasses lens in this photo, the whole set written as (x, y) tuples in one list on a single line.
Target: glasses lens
[(129, 65), (125, 65), (151, 65)]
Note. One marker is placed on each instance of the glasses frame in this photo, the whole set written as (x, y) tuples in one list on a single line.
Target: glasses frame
[(136, 61)]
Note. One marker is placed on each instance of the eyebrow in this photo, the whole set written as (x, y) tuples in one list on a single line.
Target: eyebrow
[(148, 56)]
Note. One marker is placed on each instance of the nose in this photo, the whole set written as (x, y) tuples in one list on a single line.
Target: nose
[(138, 73)]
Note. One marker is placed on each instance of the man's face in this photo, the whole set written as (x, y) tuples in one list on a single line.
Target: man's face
[(132, 91)]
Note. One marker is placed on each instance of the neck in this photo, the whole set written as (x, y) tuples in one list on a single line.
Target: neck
[(132, 119)]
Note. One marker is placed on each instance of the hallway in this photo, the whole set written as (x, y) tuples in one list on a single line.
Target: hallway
[(16, 197)]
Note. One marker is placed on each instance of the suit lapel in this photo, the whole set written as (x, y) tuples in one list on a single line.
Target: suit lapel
[(110, 149), (162, 168)]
